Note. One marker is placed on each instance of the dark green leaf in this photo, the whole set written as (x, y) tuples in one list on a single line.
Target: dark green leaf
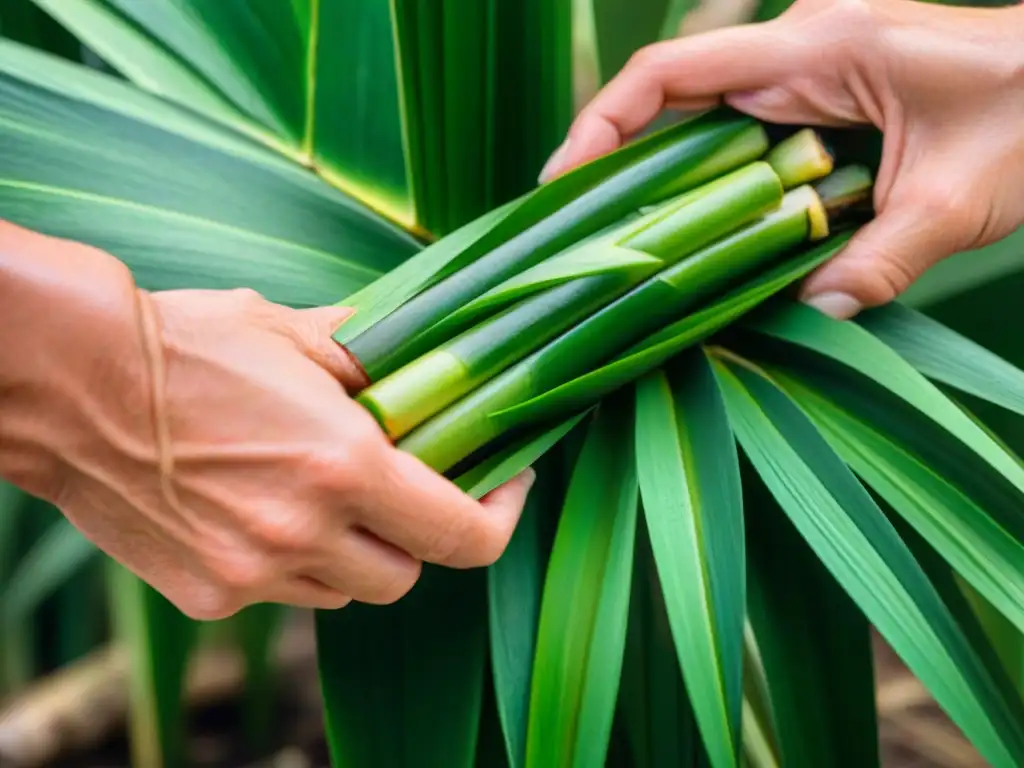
[(160, 190), (854, 540), (402, 683), (944, 355), (823, 710)]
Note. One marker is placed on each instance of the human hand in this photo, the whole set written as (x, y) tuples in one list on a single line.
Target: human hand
[(205, 440), (944, 84)]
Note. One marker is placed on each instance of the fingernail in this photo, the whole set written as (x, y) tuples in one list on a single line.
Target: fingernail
[(841, 306), (529, 476), (553, 162)]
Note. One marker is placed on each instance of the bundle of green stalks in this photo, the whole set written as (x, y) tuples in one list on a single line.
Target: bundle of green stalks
[(635, 266)]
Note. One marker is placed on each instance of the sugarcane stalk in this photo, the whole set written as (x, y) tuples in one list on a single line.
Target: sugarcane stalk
[(465, 426), (413, 393), (801, 158), (714, 143)]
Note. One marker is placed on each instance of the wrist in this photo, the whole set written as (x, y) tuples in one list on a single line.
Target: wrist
[(68, 315)]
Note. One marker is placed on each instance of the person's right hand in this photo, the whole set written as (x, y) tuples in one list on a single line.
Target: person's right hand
[(945, 84), (205, 440)]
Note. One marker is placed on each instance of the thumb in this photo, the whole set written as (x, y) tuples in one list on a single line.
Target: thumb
[(880, 262), (312, 331)]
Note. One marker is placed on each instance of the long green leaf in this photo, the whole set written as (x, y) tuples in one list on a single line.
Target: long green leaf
[(946, 493), (582, 631), (515, 583), (855, 347), (51, 561), (143, 60), (661, 346), (655, 706), (693, 505), (598, 259), (505, 464), (161, 192), (971, 275), (402, 684), (159, 639), (960, 602), (944, 355), (358, 133), (858, 545), (823, 712)]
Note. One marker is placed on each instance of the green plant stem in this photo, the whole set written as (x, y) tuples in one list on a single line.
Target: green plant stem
[(713, 144), (466, 426), (424, 387)]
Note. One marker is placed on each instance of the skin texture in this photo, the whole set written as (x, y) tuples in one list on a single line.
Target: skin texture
[(206, 440), (944, 84)]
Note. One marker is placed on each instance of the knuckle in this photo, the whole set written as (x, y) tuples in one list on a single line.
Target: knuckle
[(240, 572), (209, 604), (335, 602), (892, 278), (348, 466), (650, 57), (288, 531), (476, 542), (247, 296), (396, 585)]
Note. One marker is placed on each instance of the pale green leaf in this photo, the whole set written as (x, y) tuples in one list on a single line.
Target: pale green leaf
[(584, 610), (961, 507), (53, 559), (693, 505), (855, 347), (143, 60), (944, 355)]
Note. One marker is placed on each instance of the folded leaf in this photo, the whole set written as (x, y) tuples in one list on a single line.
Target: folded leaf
[(853, 346), (693, 505), (654, 704), (960, 506), (854, 540), (659, 347), (514, 585), (584, 610)]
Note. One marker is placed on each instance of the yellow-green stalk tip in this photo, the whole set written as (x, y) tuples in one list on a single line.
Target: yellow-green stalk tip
[(399, 403), (801, 158)]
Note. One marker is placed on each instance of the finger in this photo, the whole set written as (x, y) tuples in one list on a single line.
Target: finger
[(421, 512), (368, 569), (306, 592), (688, 73), (881, 261), (510, 498), (313, 330)]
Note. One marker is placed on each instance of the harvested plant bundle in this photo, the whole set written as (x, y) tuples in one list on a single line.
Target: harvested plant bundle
[(536, 311)]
